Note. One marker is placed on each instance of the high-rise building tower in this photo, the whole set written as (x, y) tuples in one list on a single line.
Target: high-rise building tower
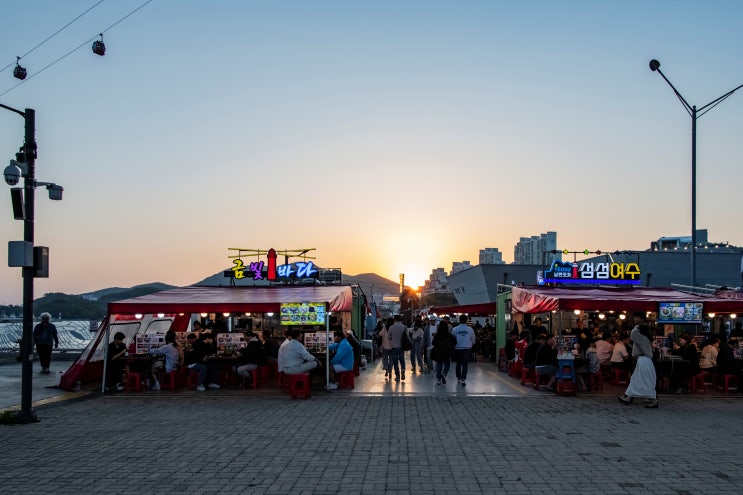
[(536, 250), (491, 256)]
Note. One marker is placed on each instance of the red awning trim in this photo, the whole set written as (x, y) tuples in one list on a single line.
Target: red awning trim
[(470, 309), (200, 299), (541, 299)]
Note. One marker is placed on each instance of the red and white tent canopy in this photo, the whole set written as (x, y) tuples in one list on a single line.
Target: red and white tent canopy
[(542, 299)]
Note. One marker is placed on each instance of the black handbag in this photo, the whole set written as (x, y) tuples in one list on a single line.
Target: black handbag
[(405, 341)]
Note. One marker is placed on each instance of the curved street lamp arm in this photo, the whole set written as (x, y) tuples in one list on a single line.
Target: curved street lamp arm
[(686, 104), (712, 104), (22, 114)]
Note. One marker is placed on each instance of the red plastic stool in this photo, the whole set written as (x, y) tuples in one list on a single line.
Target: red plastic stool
[(696, 384), (299, 385), (345, 379), (729, 382), (283, 381), (168, 381), (527, 376), (619, 377), (253, 379), (133, 382), (263, 374)]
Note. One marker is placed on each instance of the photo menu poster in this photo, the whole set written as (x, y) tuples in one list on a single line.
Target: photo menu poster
[(305, 313), (565, 346), (680, 312)]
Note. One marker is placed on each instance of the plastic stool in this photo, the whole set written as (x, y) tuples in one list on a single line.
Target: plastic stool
[(619, 377), (729, 382), (299, 385), (283, 381), (133, 382), (263, 373), (253, 379), (527, 376), (696, 384), (168, 381), (345, 379)]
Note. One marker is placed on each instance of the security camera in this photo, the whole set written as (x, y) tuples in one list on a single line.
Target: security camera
[(12, 174), (55, 192)]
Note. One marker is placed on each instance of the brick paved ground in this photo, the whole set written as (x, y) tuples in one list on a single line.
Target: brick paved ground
[(348, 444)]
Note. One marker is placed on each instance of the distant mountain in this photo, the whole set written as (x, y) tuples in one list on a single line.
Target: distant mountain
[(369, 282), (118, 293)]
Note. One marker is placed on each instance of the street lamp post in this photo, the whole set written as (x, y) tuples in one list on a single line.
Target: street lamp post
[(26, 167), (26, 414), (694, 113)]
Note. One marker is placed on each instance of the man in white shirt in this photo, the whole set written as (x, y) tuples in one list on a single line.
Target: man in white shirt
[(620, 356), (294, 358), (465, 340)]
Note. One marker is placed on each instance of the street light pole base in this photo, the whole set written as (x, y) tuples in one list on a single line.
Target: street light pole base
[(24, 417)]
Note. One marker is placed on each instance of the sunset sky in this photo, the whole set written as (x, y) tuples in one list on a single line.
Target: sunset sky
[(392, 136)]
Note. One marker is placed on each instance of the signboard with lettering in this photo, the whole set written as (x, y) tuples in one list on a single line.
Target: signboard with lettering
[(591, 272), (306, 313)]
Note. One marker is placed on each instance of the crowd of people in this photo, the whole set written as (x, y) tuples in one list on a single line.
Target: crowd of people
[(632, 352), (433, 346)]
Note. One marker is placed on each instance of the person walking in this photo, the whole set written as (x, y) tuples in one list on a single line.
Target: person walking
[(416, 341), (642, 381), (397, 355), (465, 340), (384, 336), (428, 342), (45, 335), (443, 346)]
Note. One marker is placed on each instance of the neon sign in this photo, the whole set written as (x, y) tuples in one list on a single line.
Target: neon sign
[(589, 272), (269, 270)]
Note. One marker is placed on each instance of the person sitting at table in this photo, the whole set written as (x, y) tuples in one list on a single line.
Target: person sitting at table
[(620, 358), (116, 361), (294, 358), (604, 348), (250, 357), (342, 360), (356, 346), (194, 360), (726, 362), (685, 348), (546, 361), (530, 353), (708, 359), (270, 349), (173, 357), (198, 359), (510, 347)]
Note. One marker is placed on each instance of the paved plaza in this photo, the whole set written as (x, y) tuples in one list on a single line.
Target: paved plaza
[(379, 438)]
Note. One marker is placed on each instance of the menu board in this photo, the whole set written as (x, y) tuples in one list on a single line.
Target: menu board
[(680, 312), (305, 313), (565, 346), (315, 341)]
